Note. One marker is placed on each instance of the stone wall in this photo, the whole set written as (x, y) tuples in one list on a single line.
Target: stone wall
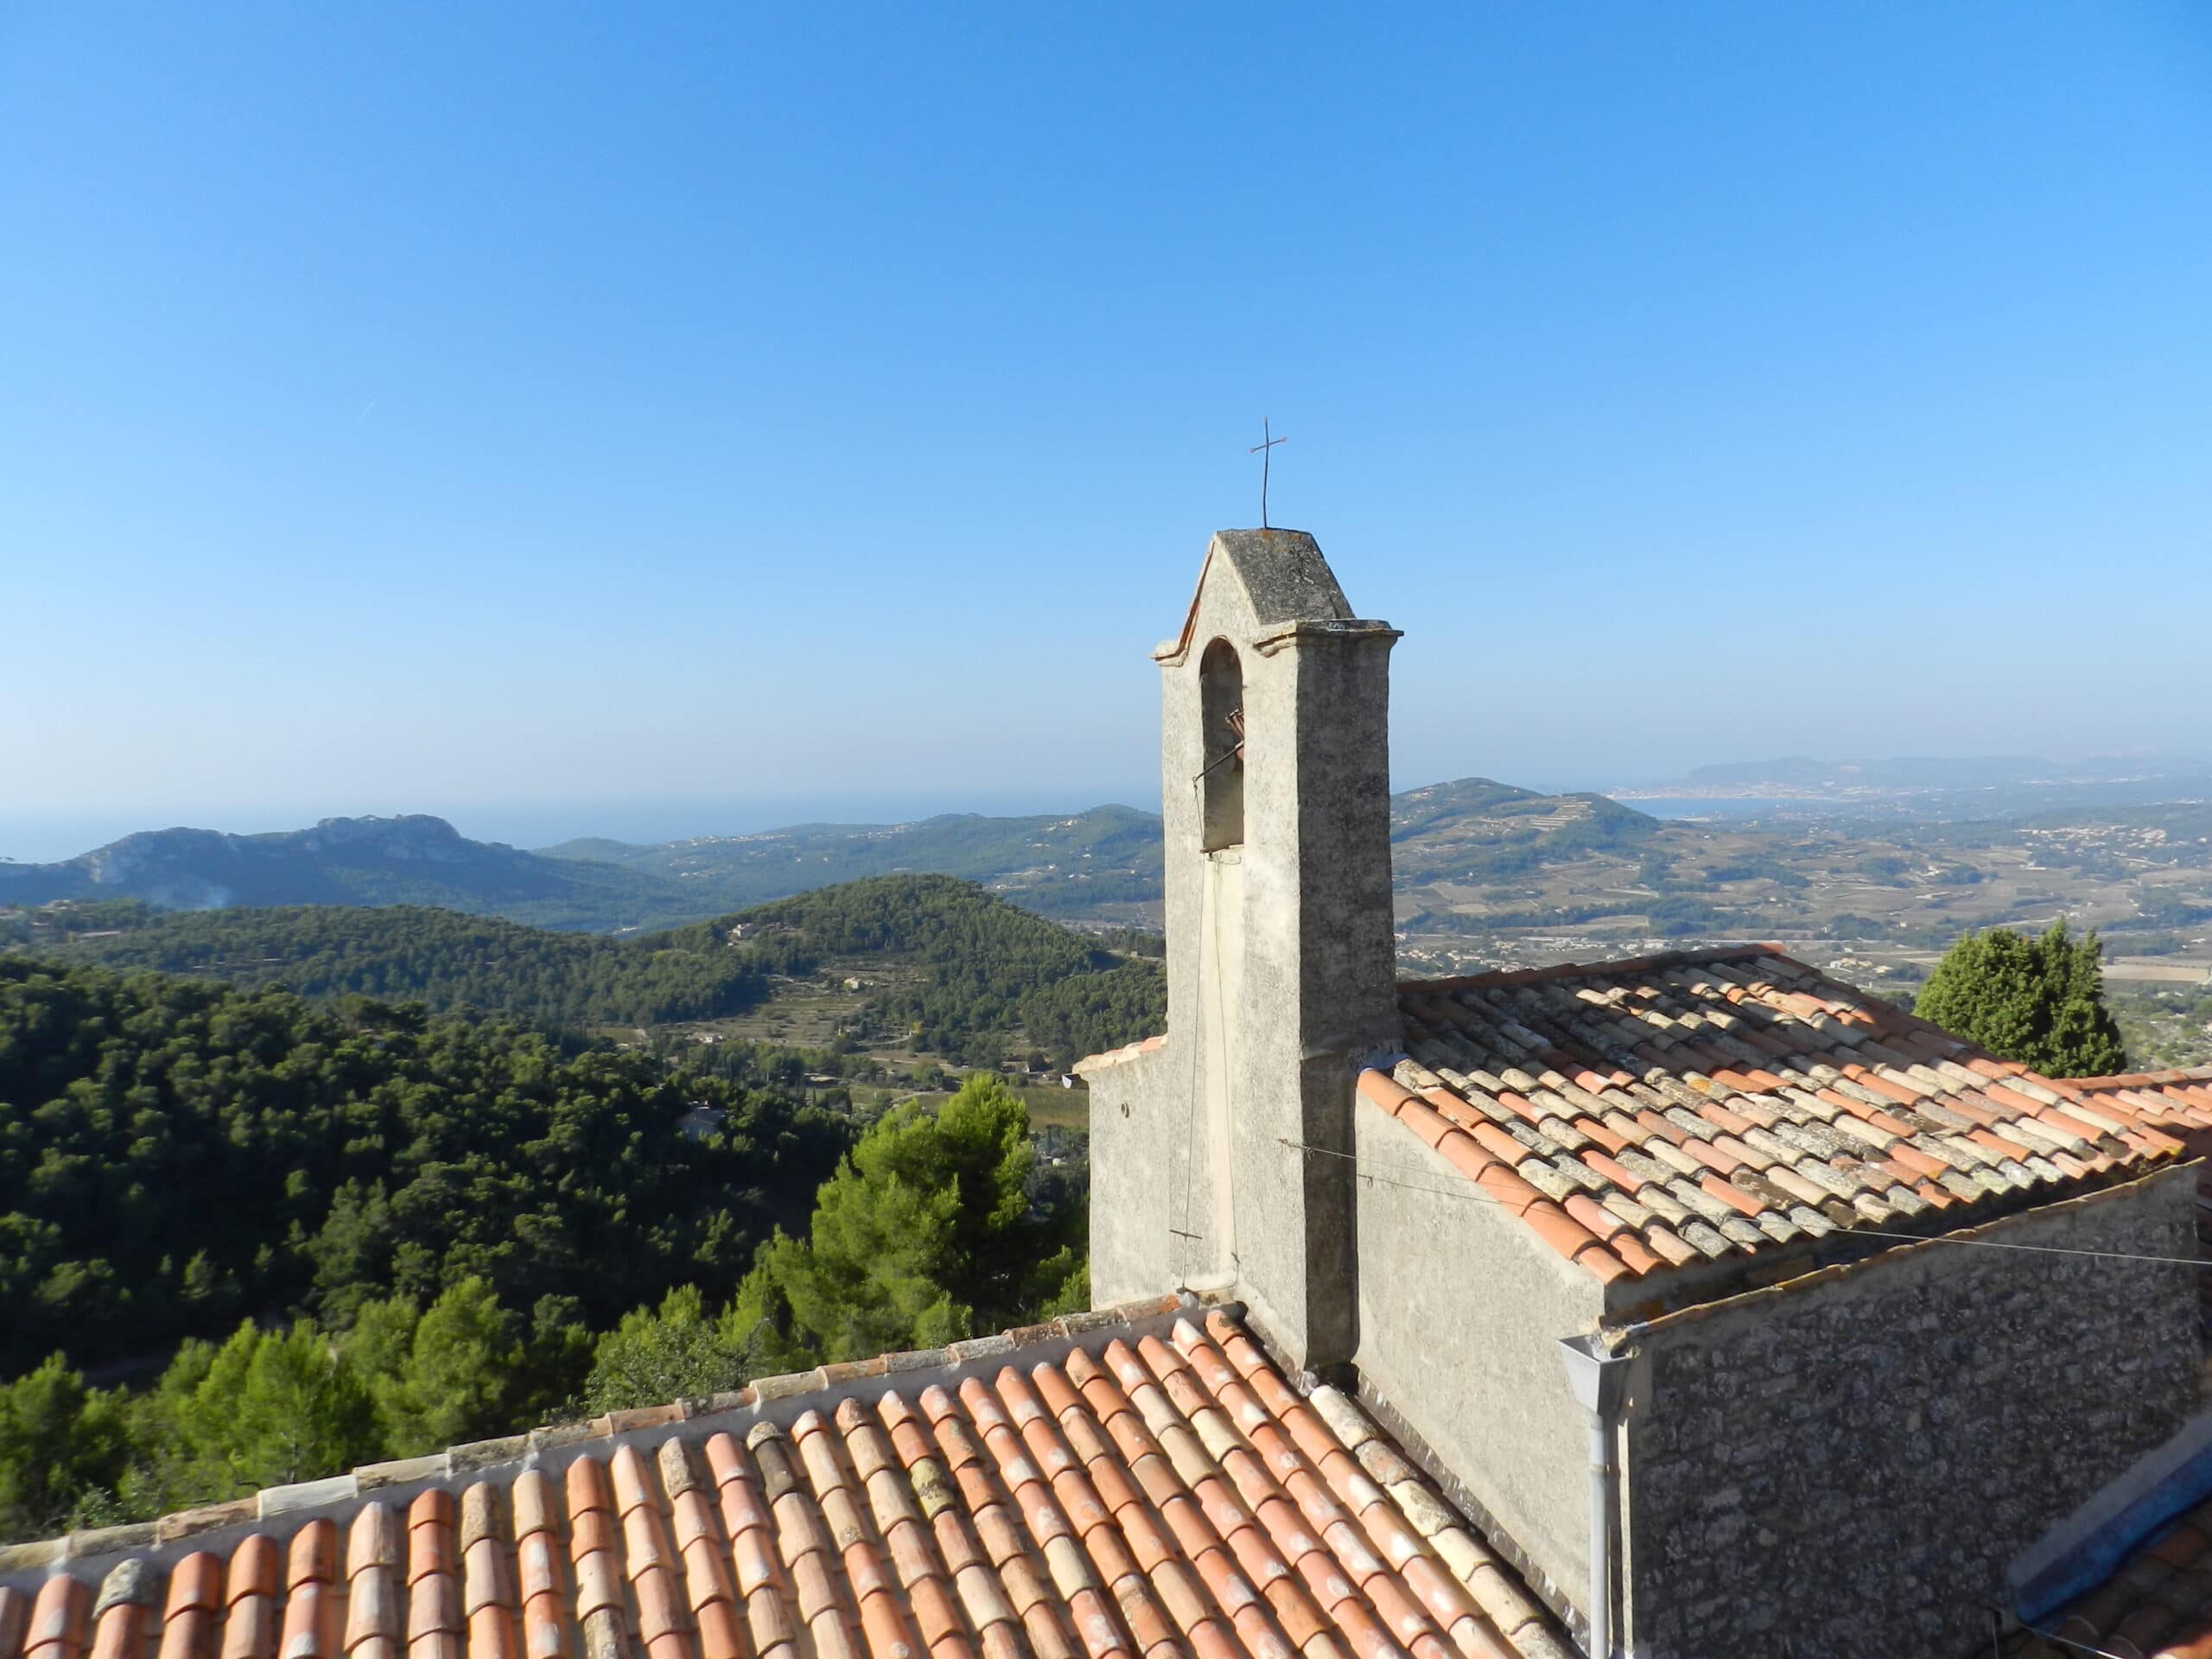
[(1846, 1465), (1145, 1160), (1461, 1310)]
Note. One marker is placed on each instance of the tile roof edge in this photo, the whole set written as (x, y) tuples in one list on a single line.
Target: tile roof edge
[(1551, 1598), (1646, 1297), (1879, 1007), (1481, 1174), (1618, 1333), (1091, 1063), (1741, 952), (89, 1555), (2143, 1079)]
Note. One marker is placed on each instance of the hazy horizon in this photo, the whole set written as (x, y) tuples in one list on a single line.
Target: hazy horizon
[(36, 838)]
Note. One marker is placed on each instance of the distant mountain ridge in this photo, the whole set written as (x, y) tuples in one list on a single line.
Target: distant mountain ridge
[(1103, 866), (2015, 782), (1486, 874), (1103, 863), (411, 859)]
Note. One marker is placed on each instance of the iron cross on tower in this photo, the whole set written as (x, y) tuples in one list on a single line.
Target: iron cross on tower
[(1265, 451)]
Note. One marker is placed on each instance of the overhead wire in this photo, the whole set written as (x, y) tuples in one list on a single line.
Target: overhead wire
[(2067, 1642)]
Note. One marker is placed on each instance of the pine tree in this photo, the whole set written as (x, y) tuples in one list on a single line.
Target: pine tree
[(926, 1235), (265, 1409), (2037, 1001), (58, 1441), (454, 1374), (656, 1356)]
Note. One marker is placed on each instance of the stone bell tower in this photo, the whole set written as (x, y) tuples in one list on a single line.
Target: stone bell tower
[(1221, 1157)]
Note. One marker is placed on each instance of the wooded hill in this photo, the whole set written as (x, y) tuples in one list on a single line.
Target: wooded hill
[(976, 971), (1100, 865), (441, 958), (177, 1155), (414, 859)]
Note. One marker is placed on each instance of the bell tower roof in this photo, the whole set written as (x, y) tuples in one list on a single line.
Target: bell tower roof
[(1281, 576)]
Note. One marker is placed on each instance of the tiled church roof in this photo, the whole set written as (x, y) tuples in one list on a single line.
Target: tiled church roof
[(1120, 1486), (1646, 1116), (2156, 1605), (2181, 1097)]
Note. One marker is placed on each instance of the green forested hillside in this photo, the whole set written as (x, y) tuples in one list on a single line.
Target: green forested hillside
[(987, 968), (411, 860), (443, 959), (1098, 864), (1475, 830), (941, 1224), (176, 1154), (974, 970)]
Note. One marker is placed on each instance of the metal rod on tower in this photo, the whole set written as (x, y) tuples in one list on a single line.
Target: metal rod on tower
[(1265, 451)]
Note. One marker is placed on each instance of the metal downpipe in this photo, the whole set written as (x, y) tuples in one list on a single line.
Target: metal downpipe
[(1599, 1382)]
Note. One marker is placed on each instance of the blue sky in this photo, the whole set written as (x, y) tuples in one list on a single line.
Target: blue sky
[(654, 420)]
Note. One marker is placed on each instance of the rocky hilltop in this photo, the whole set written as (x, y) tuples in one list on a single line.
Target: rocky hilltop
[(411, 859)]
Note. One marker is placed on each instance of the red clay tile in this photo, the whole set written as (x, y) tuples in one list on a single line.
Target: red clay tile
[(1005, 1519), (1500, 1144), (250, 1629), (587, 1488), (1916, 1160), (121, 1632), (1591, 1129), (196, 1581), (1711, 1156), (310, 1628), (645, 1539), (660, 1605), (1552, 1224), (188, 1633), (1993, 1142), (59, 1616), (1732, 1195), (256, 1567), (595, 1530), (487, 1576), (1381, 1090)]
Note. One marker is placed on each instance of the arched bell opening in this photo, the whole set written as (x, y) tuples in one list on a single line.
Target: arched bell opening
[(1221, 709)]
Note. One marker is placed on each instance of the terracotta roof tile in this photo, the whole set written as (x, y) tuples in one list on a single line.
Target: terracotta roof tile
[(1644, 1114), (1122, 1492), (2158, 1602)]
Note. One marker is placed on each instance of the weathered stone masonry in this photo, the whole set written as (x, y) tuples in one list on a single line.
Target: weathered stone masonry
[(1846, 1462)]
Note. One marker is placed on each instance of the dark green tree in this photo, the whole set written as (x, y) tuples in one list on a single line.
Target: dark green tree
[(926, 1234), (456, 1373), (2037, 1001), (266, 1408), (59, 1442), (654, 1356)]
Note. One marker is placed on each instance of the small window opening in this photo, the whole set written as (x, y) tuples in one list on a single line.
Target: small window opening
[(1221, 714)]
